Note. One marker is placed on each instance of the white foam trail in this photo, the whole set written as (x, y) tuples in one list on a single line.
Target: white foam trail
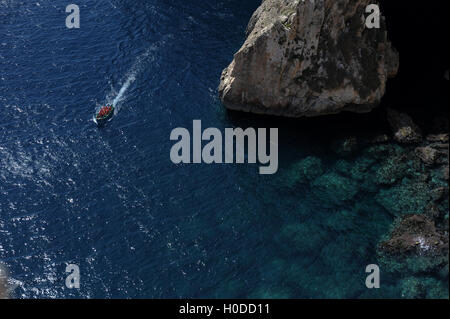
[(123, 89), (115, 98), (131, 76)]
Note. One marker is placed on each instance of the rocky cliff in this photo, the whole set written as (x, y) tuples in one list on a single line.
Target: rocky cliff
[(309, 58)]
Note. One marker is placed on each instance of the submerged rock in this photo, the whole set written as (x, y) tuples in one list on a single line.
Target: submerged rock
[(439, 193), (381, 139), (409, 197), (304, 171), (438, 138), (272, 293), (334, 189), (404, 128), (310, 168), (306, 238), (417, 287), (382, 151), (358, 169), (445, 172), (428, 155), (391, 170), (345, 147), (342, 221), (309, 58)]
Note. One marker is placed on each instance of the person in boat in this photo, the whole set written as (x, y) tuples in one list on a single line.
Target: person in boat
[(104, 111)]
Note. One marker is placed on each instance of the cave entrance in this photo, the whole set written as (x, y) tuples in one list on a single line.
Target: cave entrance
[(420, 32)]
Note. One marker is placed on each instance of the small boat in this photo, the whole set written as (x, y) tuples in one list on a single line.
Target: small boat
[(104, 115)]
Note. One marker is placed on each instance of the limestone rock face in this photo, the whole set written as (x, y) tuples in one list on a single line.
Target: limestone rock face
[(309, 58)]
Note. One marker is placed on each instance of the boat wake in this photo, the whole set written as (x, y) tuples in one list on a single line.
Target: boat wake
[(115, 98), (130, 79)]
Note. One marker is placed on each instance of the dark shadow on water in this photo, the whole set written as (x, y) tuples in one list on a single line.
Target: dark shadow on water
[(301, 137)]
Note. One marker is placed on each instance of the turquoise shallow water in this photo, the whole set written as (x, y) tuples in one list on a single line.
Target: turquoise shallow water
[(112, 202)]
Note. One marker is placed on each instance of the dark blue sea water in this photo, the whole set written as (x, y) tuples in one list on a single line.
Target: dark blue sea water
[(111, 201)]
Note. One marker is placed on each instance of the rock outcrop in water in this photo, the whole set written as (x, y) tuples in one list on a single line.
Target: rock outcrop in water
[(416, 235), (309, 58), (3, 284), (404, 129)]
